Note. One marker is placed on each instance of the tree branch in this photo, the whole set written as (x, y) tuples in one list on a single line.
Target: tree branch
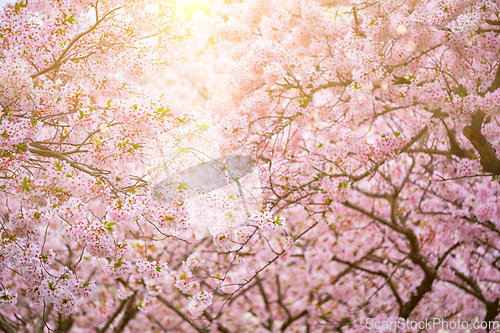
[(129, 314), (5, 326), (113, 316), (489, 160)]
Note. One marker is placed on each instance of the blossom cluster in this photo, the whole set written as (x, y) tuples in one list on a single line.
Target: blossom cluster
[(200, 302)]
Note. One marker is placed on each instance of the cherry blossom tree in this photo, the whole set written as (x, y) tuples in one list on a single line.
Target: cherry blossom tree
[(80, 120), (375, 130), (376, 127), (90, 122)]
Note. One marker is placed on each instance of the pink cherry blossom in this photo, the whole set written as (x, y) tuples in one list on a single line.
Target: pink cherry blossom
[(374, 190)]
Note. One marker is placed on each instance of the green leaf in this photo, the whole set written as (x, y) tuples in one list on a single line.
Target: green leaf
[(158, 268), (278, 220), (409, 76), (70, 20), (304, 102), (162, 112), (183, 150), (97, 141), (204, 127), (232, 197), (19, 5), (21, 147), (183, 186), (118, 263), (320, 145), (25, 186), (37, 215), (343, 185)]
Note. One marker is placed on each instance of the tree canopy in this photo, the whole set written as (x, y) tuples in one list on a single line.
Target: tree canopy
[(369, 134)]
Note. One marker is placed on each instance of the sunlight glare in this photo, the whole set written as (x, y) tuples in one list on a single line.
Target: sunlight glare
[(196, 8)]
